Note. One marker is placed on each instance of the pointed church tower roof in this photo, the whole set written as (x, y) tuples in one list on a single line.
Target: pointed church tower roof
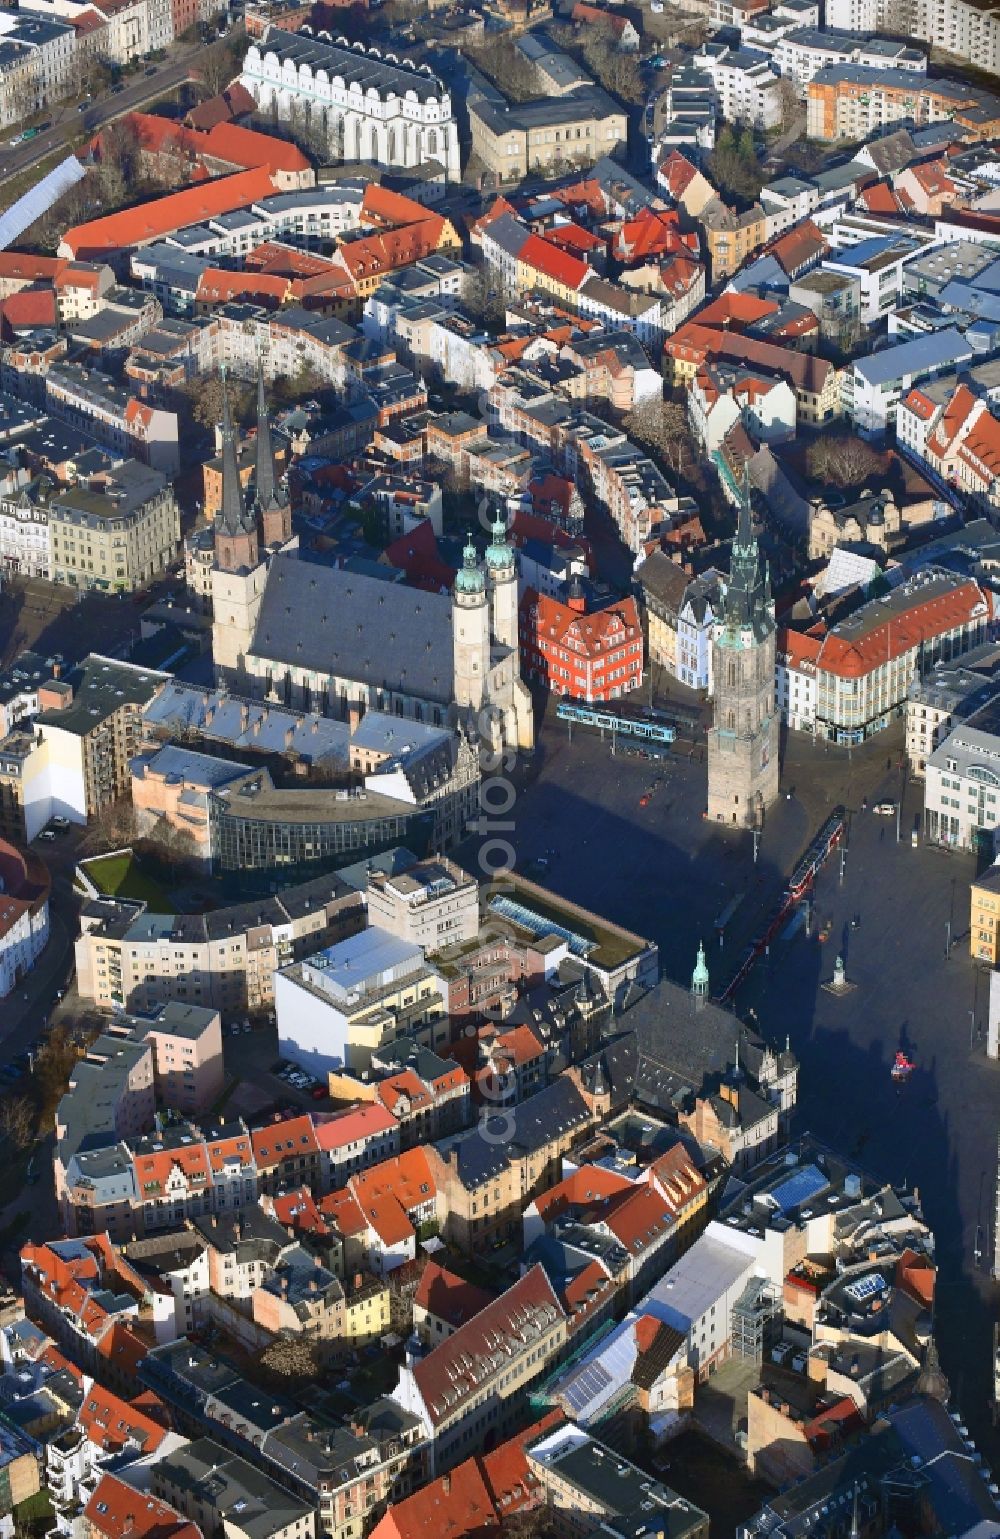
[(747, 600), (266, 490), (699, 978), (232, 517)]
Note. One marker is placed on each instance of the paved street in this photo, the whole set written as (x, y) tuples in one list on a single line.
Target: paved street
[(67, 121), (662, 871)]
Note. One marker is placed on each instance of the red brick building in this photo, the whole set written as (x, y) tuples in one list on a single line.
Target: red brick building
[(589, 657)]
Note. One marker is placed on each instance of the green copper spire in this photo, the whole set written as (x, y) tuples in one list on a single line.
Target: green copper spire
[(470, 578), (699, 978), (499, 552), (747, 602)]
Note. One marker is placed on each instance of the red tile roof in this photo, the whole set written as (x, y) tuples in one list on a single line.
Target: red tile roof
[(443, 1377), (218, 286), (231, 103), (448, 1297), (281, 1141), (353, 1126), (455, 1506), (111, 1422), (560, 266), (584, 1189), (893, 638), (248, 147), (99, 238), (640, 1220), (120, 1512), (298, 1210), (557, 622)]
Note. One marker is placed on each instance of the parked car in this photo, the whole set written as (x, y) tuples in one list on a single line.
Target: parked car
[(885, 809), (47, 835)]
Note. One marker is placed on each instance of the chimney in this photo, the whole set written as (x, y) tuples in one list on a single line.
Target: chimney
[(354, 716), (446, 1484), (358, 1281), (313, 1285)]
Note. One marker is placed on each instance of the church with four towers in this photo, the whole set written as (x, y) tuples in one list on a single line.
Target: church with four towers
[(339, 642)]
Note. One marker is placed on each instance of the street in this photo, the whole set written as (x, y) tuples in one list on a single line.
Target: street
[(67, 121)]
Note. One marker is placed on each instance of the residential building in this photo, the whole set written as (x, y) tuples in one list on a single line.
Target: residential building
[(94, 403), (118, 538), (226, 1495), (85, 735), (945, 696), (874, 385), (984, 921), (225, 959), (747, 88), (850, 101), (429, 904), (472, 1386), (587, 1485), (24, 914)]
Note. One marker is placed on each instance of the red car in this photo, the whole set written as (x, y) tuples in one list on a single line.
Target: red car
[(318, 1093), (643, 801)]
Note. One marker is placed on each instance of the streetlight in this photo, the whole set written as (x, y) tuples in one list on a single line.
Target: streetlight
[(947, 939), (972, 1027)]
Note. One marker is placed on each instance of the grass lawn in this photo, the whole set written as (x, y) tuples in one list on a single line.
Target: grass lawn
[(117, 876)]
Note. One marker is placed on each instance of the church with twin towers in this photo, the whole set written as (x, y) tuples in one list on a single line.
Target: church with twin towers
[(339, 642)]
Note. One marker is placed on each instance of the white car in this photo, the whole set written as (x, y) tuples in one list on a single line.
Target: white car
[(885, 809)]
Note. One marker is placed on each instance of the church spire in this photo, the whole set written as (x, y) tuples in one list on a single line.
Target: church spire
[(747, 604), (232, 519), (264, 470)]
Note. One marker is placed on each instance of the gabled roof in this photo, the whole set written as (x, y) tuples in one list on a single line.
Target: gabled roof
[(111, 1422), (283, 1141), (118, 1511), (560, 266), (449, 1297), (451, 1373), (150, 221), (555, 621), (353, 1126)]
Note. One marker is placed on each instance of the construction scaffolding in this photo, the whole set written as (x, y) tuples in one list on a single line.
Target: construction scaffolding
[(756, 1321)]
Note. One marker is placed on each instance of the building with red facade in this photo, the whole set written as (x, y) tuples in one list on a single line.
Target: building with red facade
[(589, 657)]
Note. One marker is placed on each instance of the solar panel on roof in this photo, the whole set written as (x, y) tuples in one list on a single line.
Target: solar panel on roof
[(802, 1187)]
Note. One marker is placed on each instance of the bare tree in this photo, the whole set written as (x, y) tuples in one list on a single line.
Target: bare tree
[(113, 828), (204, 399), (663, 427), (791, 107), (17, 1120), (506, 65), (842, 458)]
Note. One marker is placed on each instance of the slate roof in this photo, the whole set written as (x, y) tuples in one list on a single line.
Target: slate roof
[(330, 622), (527, 1127)]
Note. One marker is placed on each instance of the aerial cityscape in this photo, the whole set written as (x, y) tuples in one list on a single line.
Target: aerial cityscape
[(499, 769)]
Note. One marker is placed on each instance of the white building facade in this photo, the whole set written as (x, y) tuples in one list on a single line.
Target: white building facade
[(372, 107)]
